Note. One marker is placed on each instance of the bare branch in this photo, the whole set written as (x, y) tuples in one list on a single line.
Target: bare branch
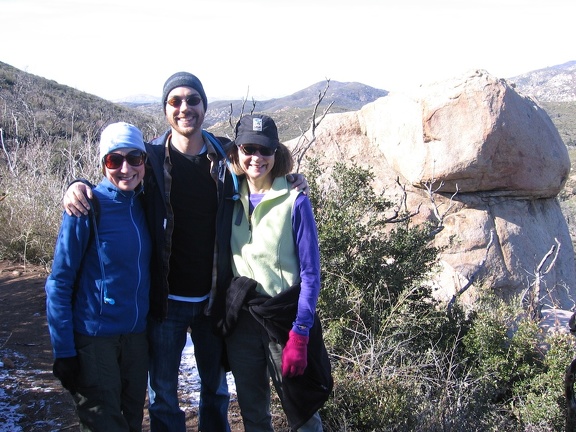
[(303, 143), (11, 161), (6, 151), (231, 121), (230, 116), (440, 216), (436, 207), (533, 291), (6, 341), (396, 218), (553, 250), (474, 275)]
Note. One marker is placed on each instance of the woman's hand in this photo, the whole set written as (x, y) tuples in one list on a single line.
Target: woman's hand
[(295, 355)]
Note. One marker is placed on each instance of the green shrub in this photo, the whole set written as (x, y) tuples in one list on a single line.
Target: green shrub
[(382, 325), (359, 404), (503, 346), (401, 360), (538, 401), (366, 265)]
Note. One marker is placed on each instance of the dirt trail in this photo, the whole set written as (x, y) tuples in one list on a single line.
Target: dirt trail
[(39, 400), (31, 399)]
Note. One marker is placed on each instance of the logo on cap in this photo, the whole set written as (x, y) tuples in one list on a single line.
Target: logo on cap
[(257, 124)]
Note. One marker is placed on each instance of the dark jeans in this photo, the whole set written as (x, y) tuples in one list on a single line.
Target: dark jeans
[(167, 341), (112, 382)]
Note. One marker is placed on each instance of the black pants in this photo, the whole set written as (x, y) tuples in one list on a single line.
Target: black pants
[(112, 383)]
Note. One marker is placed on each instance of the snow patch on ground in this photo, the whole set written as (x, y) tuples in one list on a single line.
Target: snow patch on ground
[(9, 416), (189, 379)]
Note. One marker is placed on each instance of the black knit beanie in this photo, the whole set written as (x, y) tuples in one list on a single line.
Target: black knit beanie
[(183, 79)]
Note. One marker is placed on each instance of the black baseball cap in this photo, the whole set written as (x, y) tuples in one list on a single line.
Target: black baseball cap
[(257, 129)]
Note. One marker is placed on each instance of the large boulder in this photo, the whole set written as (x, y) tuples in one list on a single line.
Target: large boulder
[(493, 162), (470, 134)]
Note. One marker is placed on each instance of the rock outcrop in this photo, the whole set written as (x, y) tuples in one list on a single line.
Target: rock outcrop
[(493, 161)]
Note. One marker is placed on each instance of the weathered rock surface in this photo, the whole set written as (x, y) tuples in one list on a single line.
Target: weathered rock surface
[(471, 134), (495, 162)]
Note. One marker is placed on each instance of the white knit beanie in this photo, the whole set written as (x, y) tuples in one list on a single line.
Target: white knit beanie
[(120, 135)]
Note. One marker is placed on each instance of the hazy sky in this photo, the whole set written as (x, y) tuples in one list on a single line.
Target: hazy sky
[(273, 48)]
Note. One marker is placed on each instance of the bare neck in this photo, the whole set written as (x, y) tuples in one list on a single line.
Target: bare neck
[(190, 145), (259, 185)]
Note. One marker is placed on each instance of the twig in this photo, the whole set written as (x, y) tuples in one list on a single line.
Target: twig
[(6, 341), (533, 306), (302, 149), (472, 278), (73, 425)]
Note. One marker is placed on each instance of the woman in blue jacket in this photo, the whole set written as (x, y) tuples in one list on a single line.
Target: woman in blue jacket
[(98, 292)]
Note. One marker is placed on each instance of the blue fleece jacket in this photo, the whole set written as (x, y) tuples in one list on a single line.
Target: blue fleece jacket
[(126, 250)]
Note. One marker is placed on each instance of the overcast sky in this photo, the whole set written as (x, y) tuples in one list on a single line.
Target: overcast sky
[(273, 48)]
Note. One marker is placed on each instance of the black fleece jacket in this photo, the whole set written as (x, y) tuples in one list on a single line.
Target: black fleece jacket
[(156, 202)]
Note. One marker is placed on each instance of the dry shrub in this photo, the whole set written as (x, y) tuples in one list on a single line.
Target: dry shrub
[(32, 184)]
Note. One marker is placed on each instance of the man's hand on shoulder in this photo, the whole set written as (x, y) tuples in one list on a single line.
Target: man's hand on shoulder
[(75, 201), (299, 182)]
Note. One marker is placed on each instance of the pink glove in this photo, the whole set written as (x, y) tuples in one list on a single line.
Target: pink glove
[(294, 355)]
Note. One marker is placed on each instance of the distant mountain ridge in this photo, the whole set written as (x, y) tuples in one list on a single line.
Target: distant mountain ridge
[(553, 87), (345, 96), (348, 94), (551, 84)]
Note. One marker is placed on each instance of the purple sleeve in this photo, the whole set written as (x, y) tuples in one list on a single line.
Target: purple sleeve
[(306, 237)]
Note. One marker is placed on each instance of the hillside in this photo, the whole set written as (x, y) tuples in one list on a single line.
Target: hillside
[(552, 84), (554, 89), (35, 108)]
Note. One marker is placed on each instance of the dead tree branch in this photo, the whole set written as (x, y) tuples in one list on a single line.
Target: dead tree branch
[(396, 218), (474, 275), (231, 121), (10, 161), (533, 291), (440, 216), (303, 142)]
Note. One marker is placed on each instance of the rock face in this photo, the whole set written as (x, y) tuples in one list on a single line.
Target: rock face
[(474, 134), (494, 164)]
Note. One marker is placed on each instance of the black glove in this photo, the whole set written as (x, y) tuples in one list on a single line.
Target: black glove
[(66, 369)]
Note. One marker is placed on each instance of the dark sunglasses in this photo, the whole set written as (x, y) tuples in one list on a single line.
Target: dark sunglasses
[(176, 101), (115, 160), (252, 149)]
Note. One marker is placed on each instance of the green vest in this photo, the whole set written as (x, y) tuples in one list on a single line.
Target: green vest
[(263, 245)]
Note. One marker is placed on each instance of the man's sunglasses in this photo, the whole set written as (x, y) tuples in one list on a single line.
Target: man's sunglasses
[(252, 149), (176, 101), (115, 160)]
